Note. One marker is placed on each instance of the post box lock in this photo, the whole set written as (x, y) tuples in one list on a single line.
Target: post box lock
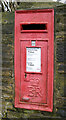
[(34, 52), (26, 77)]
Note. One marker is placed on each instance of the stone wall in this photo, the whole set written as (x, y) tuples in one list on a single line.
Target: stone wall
[(8, 110)]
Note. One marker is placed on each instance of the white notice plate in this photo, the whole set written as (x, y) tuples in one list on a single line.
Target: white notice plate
[(33, 59)]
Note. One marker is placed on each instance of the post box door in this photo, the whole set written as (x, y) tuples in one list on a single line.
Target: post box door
[(34, 35), (33, 71)]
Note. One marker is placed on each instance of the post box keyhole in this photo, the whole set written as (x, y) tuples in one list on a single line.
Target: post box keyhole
[(25, 75)]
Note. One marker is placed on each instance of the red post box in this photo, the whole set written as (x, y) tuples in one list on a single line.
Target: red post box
[(34, 52)]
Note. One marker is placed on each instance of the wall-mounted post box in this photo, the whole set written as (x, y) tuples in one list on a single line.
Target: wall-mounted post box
[(34, 52)]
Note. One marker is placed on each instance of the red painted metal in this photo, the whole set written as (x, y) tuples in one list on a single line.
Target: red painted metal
[(34, 90)]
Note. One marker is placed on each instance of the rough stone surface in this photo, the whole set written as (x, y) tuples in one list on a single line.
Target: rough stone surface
[(9, 112)]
